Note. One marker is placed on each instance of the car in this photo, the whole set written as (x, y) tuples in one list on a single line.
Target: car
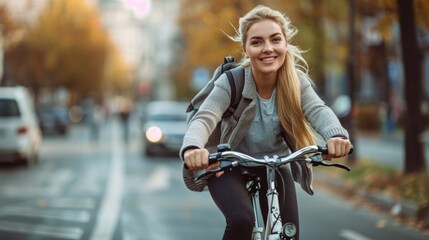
[(164, 127), (20, 134), (53, 119)]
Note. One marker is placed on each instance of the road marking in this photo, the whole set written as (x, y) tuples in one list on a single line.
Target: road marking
[(352, 235), (83, 203), (51, 184), (66, 215), (158, 180), (108, 215), (57, 232)]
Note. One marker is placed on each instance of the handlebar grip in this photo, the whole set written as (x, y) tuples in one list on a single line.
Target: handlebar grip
[(213, 158), (324, 150)]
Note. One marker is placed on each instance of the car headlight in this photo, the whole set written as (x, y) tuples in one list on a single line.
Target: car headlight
[(154, 134)]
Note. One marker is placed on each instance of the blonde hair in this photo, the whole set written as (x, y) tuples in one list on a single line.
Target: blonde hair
[(288, 100)]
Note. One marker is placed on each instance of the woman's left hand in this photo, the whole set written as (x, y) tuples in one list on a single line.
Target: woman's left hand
[(337, 147)]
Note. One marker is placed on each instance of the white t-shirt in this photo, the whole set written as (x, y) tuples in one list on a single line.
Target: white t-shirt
[(264, 136)]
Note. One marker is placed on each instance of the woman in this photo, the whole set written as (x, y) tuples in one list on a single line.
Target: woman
[(279, 101)]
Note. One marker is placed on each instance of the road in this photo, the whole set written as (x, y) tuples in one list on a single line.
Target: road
[(107, 190)]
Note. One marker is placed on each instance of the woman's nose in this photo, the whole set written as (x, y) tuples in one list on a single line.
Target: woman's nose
[(268, 47)]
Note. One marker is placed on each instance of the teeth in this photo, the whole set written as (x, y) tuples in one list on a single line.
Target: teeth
[(268, 59)]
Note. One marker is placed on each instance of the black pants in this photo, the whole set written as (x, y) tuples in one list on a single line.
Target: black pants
[(230, 195)]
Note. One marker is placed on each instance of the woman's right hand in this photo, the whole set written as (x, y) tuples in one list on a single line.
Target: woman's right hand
[(196, 158)]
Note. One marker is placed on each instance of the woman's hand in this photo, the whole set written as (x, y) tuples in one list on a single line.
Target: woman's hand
[(337, 147), (197, 159)]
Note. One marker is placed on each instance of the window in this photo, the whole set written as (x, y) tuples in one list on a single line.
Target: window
[(9, 108)]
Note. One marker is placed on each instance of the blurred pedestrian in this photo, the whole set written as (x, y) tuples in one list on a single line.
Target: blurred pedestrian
[(125, 108), (94, 118)]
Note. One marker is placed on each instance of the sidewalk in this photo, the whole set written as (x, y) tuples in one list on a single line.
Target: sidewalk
[(397, 136), (387, 150)]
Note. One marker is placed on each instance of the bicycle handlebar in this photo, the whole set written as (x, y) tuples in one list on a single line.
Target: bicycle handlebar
[(229, 159)]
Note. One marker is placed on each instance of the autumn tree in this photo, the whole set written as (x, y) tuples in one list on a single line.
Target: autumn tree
[(65, 47), (205, 24), (8, 28), (412, 17)]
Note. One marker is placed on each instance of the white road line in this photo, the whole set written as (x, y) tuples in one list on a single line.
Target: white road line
[(57, 232), (65, 215), (108, 215), (51, 184), (158, 180), (352, 235), (82, 203)]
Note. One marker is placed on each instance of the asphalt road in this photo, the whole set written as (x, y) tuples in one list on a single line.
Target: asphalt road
[(106, 189)]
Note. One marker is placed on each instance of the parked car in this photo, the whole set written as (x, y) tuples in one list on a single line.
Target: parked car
[(53, 119), (20, 135), (164, 127)]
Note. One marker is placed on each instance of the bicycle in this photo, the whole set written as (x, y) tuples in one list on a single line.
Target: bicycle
[(273, 229)]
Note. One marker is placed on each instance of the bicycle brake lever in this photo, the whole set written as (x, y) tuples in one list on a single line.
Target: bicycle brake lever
[(317, 160), (334, 164), (224, 166)]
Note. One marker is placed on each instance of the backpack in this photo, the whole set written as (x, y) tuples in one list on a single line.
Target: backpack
[(235, 76)]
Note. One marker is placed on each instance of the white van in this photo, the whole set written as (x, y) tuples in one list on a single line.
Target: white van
[(20, 135)]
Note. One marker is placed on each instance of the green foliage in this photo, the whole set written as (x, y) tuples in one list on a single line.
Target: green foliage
[(365, 172)]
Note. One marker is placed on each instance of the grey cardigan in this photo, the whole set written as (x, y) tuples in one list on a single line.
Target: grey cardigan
[(234, 128)]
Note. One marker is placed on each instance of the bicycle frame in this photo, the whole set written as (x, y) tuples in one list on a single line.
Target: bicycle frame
[(274, 222), (273, 230)]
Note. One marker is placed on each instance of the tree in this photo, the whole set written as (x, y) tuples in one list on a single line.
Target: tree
[(66, 47), (203, 25), (412, 58), (411, 15), (8, 28)]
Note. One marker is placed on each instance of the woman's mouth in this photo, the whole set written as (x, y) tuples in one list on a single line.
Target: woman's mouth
[(268, 59)]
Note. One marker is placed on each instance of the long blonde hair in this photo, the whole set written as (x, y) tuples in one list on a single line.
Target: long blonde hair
[(295, 67)]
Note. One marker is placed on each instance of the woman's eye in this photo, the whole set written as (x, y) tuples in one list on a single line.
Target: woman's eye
[(254, 42), (277, 39)]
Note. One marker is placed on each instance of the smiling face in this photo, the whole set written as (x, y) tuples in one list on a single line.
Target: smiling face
[(266, 47)]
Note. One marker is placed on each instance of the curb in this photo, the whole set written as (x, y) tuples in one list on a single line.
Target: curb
[(394, 208)]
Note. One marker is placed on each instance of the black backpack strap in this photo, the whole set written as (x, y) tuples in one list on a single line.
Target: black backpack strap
[(236, 82), (228, 63), (238, 75), (233, 88)]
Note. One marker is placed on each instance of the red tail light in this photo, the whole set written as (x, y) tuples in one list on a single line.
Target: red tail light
[(22, 130)]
